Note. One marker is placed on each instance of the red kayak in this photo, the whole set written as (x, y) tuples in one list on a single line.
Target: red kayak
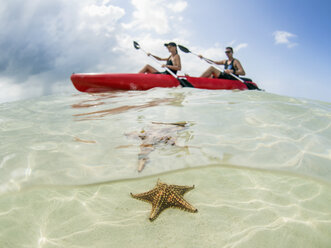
[(135, 81)]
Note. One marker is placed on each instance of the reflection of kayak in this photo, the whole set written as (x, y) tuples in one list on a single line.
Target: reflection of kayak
[(135, 81)]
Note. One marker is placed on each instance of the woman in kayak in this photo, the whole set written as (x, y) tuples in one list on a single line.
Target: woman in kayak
[(173, 61), (231, 65)]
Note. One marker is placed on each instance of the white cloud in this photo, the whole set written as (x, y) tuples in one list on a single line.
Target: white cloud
[(155, 15), (43, 42), (149, 16), (100, 18), (236, 48), (240, 46), (111, 11), (282, 37), (9, 91), (178, 6), (231, 43)]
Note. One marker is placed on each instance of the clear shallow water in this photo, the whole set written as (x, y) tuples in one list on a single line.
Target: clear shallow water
[(261, 164)]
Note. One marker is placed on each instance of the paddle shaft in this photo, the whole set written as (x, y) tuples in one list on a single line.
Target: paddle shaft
[(216, 66)]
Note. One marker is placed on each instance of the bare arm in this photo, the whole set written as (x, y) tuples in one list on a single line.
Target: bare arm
[(239, 69), (221, 62), (158, 58)]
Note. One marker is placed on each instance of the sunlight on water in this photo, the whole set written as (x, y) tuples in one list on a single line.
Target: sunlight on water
[(260, 163)]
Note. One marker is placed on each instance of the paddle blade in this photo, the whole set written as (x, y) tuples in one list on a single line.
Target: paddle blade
[(136, 45), (184, 49), (184, 83)]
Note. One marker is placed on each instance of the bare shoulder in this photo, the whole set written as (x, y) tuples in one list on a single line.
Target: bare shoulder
[(236, 61), (176, 57)]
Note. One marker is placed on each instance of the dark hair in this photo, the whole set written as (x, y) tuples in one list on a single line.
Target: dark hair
[(173, 44), (230, 48)]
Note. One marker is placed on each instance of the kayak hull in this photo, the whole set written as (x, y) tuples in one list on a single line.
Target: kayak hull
[(134, 81)]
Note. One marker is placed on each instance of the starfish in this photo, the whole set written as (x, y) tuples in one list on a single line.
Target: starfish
[(164, 196)]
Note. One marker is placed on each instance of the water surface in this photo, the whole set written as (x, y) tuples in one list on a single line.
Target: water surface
[(260, 163)]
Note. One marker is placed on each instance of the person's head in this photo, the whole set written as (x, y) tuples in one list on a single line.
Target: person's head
[(172, 47), (229, 51)]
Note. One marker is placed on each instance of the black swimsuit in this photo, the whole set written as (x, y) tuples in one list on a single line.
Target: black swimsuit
[(169, 62), (228, 67)]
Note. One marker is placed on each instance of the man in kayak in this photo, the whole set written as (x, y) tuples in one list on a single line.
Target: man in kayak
[(231, 65), (173, 61)]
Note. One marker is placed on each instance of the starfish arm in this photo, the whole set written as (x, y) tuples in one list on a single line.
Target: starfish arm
[(156, 210), (176, 200), (159, 204), (147, 196), (181, 190), (179, 202)]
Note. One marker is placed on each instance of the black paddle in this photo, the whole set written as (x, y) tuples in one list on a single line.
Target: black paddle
[(185, 50), (183, 82)]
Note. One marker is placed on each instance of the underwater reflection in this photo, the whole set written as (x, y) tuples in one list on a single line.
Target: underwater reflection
[(97, 99), (159, 133), (102, 113), (104, 99)]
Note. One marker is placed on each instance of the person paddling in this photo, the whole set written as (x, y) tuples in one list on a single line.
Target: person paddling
[(173, 61), (231, 65)]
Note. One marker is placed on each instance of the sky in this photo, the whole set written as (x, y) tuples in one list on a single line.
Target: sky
[(283, 45)]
